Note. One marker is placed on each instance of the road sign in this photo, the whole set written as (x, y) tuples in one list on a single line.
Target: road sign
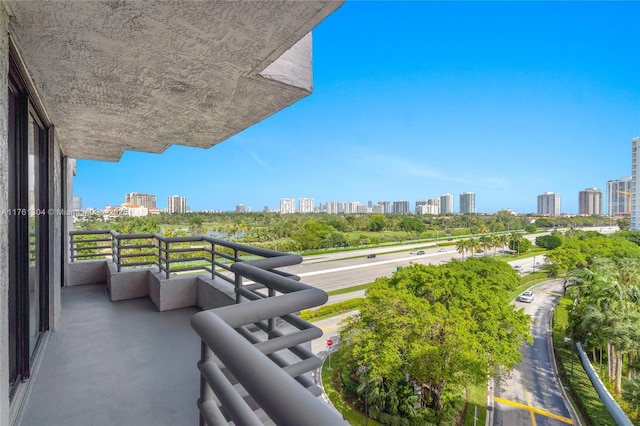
[(329, 342)]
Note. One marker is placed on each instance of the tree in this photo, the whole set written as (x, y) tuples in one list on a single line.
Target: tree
[(631, 394), (445, 326), (412, 224), (549, 242), (377, 223)]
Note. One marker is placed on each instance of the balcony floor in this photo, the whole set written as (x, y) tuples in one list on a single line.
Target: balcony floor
[(116, 363)]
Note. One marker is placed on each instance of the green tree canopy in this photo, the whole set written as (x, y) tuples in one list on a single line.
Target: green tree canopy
[(444, 326)]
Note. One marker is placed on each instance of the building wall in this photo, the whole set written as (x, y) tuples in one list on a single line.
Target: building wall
[(4, 219), (590, 202), (618, 202), (446, 204), (467, 202), (549, 204)]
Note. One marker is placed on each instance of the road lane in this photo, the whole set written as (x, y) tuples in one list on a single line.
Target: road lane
[(533, 395)]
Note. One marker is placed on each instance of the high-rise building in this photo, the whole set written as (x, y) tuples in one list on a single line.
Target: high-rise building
[(287, 205), (386, 207), (619, 197), (446, 204), (240, 208), (549, 204), (306, 205), (635, 185), (176, 204), (146, 200), (77, 203), (467, 202), (401, 207), (377, 208), (590, 202)]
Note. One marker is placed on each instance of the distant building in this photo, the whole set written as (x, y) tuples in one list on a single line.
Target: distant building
[(77, 203), (386, 207), (240, 208), (135, 210), (377, 208), (430, 206), (401, 207), (446, 204), (287, 205), (635, 185), (147, 200), (467, 202), (590, 202), (619, 197), (549, 204), (177, 204), (306, 205)]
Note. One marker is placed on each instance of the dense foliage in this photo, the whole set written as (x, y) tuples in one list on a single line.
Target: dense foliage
[(294, 232), (438, 327)]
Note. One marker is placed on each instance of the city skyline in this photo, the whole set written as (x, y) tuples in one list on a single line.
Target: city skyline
[(423, 108)]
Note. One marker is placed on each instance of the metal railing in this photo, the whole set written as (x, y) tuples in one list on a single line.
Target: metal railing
[(257, 365), (168, 254), (268, 365)]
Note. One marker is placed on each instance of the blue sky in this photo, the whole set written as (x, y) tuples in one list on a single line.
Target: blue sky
[(416, 99)]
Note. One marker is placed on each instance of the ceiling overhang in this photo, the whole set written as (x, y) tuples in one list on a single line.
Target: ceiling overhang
[(142, 76)]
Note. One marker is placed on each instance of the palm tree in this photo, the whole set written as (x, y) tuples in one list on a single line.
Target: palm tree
[(514, 240), (631, 394), (474, 245), (496, 241), (485, 241), (462, 246)]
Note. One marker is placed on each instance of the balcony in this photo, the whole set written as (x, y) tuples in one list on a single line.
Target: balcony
[(134, 345)]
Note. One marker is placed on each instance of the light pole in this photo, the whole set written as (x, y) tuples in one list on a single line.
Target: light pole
[(365, 370)]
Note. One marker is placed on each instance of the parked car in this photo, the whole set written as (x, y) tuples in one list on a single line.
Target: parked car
[(371, 256), (526, 297), (441, 250)]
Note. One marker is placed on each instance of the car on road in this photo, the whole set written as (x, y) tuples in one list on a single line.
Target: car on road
[(417, 252), (441, 250), (371, 256), (517, 267), (526, 297)]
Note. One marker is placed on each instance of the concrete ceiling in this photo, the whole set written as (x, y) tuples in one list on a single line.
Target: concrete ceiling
[(133, 75)]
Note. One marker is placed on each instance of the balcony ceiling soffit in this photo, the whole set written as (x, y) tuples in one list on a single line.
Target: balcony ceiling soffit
[(119, 75)]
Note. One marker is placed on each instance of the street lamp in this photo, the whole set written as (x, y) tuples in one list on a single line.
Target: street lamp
[(363, 369)]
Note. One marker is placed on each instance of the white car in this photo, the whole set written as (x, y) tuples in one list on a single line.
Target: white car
[(441, 250), (526, 297)]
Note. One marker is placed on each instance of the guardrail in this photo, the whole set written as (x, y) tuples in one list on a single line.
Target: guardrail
[(619, 416), (270, 364), (168, 254), (274, 383)]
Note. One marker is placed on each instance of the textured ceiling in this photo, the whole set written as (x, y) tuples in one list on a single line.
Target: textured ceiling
[(133, 75)]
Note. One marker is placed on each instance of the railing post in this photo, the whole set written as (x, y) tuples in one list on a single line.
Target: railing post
[(238, 283), (159, 254), (213, 260), (272, 321), (167, 268), (118, 253), (72, 245)]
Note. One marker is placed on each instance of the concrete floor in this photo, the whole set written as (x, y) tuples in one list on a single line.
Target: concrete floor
[(116, 363)]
